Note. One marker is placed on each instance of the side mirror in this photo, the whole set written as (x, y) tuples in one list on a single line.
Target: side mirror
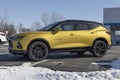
[(56, 30)]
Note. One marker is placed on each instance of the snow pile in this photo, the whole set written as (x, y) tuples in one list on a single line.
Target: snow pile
[(115, 64), (26, 72)]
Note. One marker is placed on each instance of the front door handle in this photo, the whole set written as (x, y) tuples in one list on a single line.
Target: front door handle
[(71, 34)]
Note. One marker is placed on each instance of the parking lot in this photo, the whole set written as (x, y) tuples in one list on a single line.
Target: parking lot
[(62, 61)]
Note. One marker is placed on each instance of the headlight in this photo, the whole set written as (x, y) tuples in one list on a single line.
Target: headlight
[(17, 37)]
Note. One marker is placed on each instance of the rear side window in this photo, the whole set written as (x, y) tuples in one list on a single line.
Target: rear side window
[(82, 26), (93, 25)]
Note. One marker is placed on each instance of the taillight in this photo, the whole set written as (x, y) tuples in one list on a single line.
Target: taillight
[(2, 34), (108, 32)]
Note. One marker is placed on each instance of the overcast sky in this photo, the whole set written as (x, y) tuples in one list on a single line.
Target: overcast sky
[(28, 11)]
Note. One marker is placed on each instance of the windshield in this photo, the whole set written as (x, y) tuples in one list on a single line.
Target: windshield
[(48, 27)]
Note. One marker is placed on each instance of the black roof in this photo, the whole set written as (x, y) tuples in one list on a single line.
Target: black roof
[(83, 21)]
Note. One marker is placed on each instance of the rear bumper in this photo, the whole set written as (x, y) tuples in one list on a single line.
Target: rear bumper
[(18, 52)]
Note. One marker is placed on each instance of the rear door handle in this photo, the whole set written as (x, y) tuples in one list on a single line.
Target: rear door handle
[(92, 32), (71, 34)]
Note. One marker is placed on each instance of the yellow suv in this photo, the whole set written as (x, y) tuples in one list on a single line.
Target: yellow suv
[(70, 35)]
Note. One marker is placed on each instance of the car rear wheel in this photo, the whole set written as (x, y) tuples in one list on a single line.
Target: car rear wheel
[(38, 51), (99, 48)]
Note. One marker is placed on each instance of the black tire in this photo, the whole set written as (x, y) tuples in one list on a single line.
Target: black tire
[(0, 41), (26, 55), (80, 52), (99, 48), (38, 51)]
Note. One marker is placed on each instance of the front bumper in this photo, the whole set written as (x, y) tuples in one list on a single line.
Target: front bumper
[(18, 52), (15, 47)]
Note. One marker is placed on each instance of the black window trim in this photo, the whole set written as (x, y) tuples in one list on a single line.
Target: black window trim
[(73, 22), (81, 23), (63, 23)]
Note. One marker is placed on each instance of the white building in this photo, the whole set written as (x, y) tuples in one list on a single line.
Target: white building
[(112, 22)]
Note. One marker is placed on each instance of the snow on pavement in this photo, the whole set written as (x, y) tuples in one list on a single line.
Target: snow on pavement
[(27, 72), (115, 64)]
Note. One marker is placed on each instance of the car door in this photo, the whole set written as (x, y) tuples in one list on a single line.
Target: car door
[(66, 38), (84, 37)]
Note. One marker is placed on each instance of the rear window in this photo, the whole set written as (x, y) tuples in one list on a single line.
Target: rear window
[(93, 25)]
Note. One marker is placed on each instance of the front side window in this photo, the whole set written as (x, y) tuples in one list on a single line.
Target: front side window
[(65, 26), (48, 27)]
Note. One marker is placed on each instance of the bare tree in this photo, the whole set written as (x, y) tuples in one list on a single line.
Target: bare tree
[(36, 26), (46, 19), (11, 29), (6, 26), (21, 28), (54, 17), (50, 18), (3, 23)]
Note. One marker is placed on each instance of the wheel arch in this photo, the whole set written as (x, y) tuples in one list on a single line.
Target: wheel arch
[(102, 39), (41, 40)]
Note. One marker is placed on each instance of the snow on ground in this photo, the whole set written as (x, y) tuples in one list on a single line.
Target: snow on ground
[(27, 72), (115, 64)]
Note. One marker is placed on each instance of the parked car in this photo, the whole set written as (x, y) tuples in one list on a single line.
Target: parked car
[(2, 37), (69, 35)]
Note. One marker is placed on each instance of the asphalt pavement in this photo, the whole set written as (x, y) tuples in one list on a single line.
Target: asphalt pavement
[(62, 61)]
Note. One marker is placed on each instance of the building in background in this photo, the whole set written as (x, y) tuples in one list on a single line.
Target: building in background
[(112, 22)]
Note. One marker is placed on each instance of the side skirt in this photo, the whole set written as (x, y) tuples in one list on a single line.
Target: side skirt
[(71, 49)]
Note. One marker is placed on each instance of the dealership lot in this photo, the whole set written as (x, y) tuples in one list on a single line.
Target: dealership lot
[(62, 61)]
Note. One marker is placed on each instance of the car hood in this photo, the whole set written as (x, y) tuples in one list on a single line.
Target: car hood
[(32, 33), (28, 33)]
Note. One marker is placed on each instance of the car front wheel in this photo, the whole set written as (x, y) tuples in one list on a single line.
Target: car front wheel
[(38, 51), (99, 48)]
